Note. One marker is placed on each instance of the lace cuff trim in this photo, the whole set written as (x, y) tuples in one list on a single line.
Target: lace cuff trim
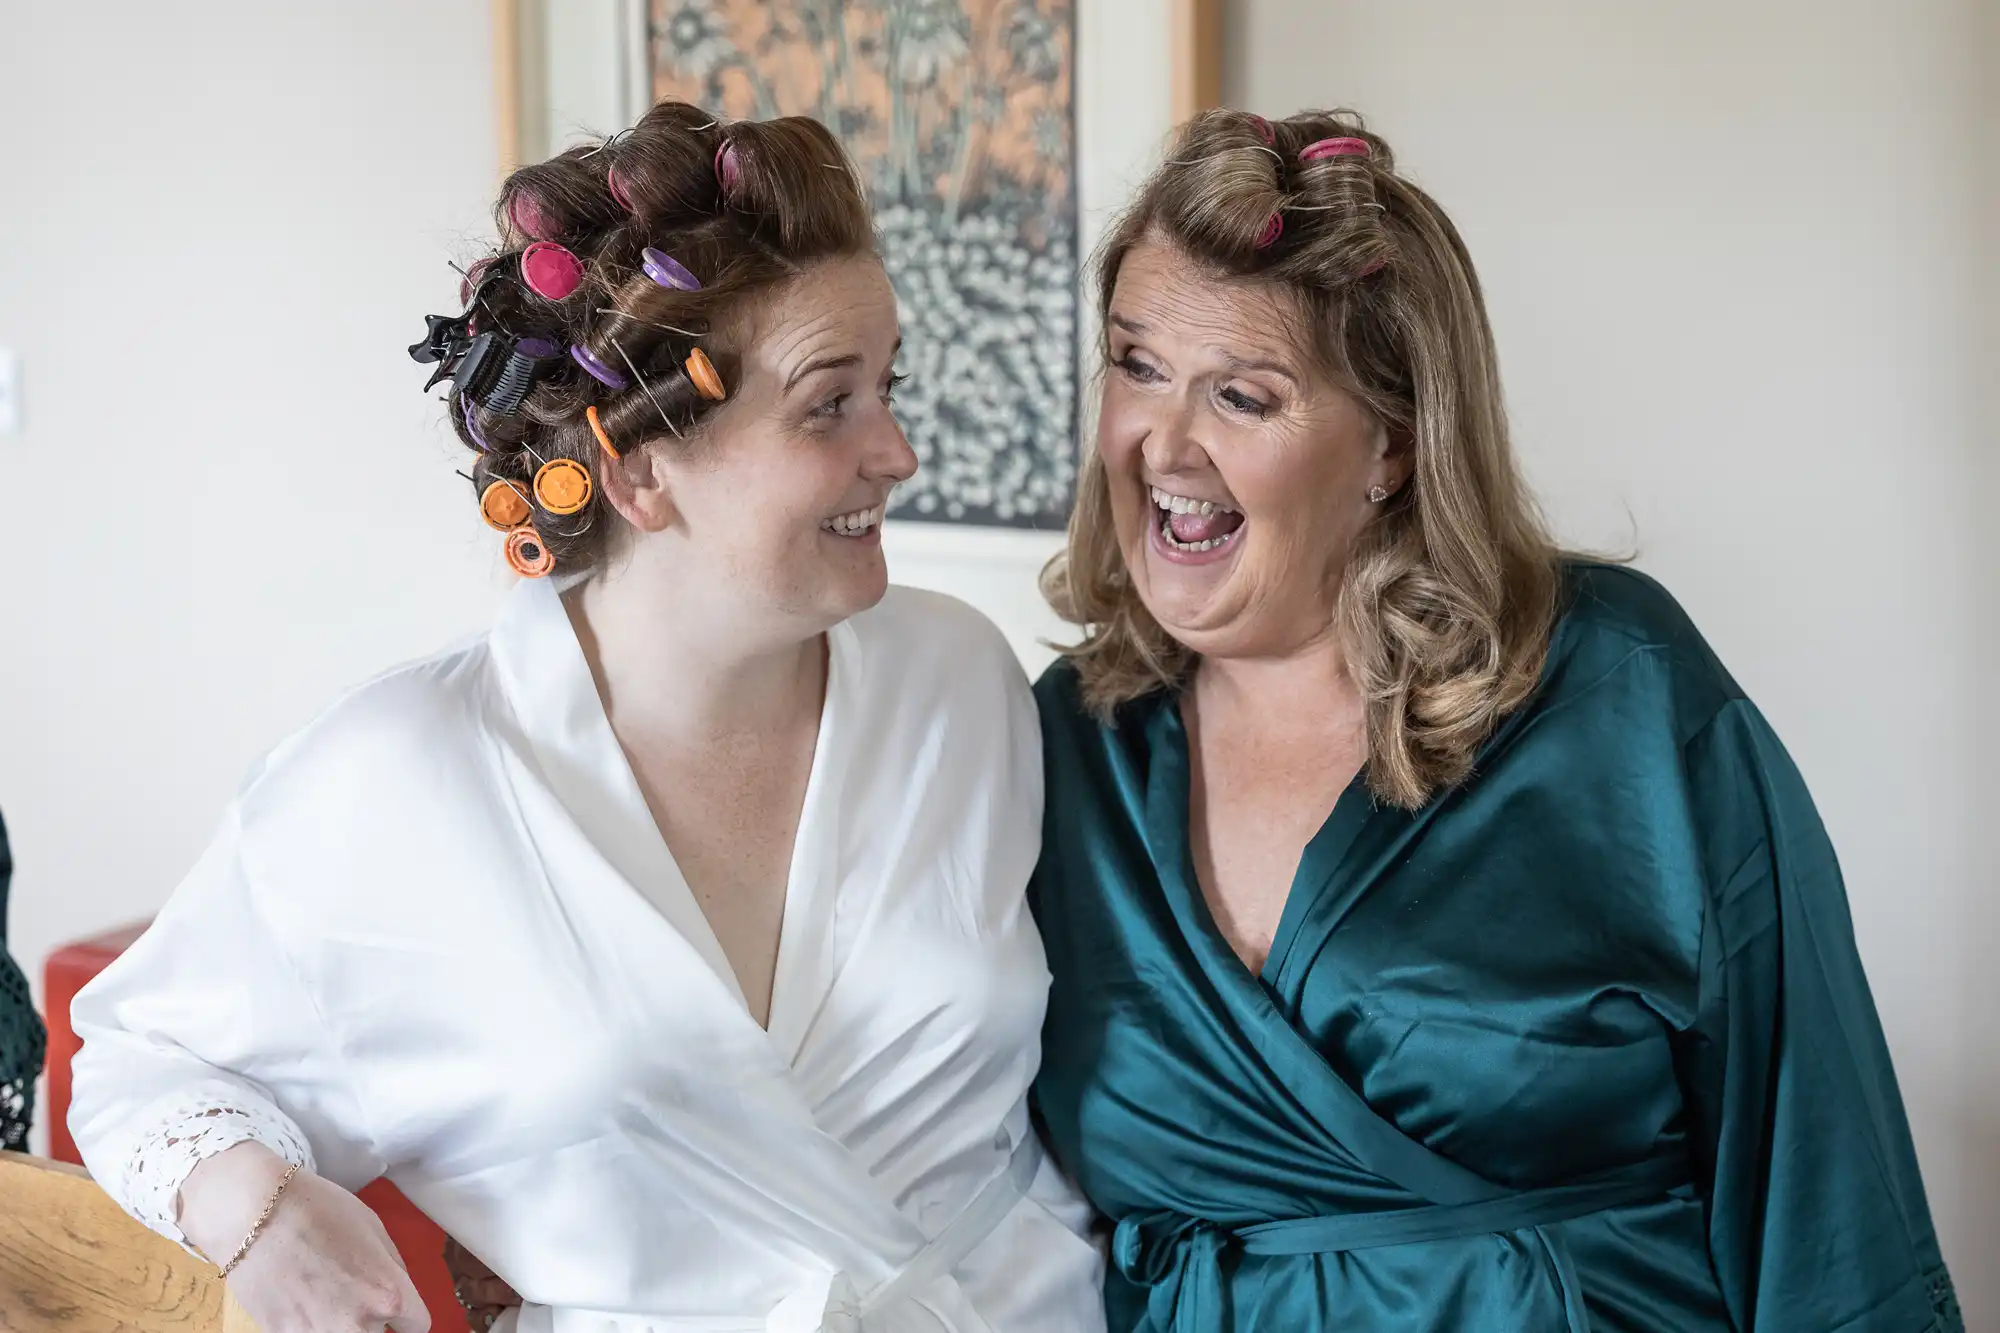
[(187, 1135)]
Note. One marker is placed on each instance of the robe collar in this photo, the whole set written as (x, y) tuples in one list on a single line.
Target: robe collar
[(547, 681)]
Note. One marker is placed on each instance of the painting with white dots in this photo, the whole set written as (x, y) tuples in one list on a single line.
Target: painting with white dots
[(960, 115)]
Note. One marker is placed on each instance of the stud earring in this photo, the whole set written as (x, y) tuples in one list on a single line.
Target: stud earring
[(1377, 494)]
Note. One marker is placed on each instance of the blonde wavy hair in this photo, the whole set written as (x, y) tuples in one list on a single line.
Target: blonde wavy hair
[(1447, 598)]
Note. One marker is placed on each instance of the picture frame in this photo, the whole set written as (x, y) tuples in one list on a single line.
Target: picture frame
[(567, 71)]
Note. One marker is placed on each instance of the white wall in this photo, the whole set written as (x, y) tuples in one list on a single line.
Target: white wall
[(1977, 1119), (1733, 251), (220, 225)]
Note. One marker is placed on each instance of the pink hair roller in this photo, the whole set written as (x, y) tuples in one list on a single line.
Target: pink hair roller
[(1343, 147), (1274, 227), (618, 190), (550, 271), (1263, 128), (727, 170), (524, 214), (470, 283)]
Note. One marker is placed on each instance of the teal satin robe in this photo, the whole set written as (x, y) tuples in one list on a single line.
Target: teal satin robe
[(1581, 1045)]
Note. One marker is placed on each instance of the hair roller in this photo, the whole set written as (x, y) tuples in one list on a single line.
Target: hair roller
[(621, 260)]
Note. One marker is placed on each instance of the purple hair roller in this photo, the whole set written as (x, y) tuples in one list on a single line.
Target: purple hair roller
[(669, 272), (598, 371)]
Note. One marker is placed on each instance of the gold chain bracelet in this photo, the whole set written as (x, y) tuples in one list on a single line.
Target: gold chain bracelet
[(257, 1227)]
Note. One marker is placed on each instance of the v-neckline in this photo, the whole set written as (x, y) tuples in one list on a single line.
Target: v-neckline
[(804, 921), (556, 699), (1172, 787), (1373, 1141)]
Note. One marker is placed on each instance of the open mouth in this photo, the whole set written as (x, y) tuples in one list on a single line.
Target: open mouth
[(860, 523), (1188, 526)]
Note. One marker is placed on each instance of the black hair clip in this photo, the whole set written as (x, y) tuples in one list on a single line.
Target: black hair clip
[(447, 338), (499, 373), (494, 370)]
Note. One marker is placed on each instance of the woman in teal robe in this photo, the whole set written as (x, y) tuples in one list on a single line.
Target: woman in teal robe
[(1585, 1039), (1578, 1038)]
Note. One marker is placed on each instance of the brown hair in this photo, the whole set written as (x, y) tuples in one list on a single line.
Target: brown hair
[(1447, 598), (794, 199)]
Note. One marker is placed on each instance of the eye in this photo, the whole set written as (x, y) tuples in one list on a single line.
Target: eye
[(895, 382), (1139, 371), (1239, 401), (830, 408)]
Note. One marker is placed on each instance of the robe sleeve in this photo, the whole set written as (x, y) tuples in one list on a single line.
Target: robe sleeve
[(200, 1037), (1817, 1219)]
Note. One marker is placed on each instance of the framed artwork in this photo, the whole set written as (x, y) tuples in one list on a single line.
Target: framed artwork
[(960, 115)]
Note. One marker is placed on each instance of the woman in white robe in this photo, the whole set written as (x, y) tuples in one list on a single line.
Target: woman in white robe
[(667, 944)]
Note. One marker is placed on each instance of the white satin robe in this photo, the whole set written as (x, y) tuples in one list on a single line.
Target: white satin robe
[(440, 938)]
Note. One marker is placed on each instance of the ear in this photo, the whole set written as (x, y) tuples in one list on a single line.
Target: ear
[(1395, 456), (636, 485)]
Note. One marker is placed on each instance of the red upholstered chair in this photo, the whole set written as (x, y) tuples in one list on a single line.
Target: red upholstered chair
[(416, 1236)]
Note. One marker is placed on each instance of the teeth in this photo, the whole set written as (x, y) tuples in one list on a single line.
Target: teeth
[(1181, 504), (1167, 532), (856, 523)]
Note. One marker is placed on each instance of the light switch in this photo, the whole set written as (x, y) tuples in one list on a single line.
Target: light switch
[(10, 391)]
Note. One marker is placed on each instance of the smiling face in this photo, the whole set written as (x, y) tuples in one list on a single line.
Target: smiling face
[(1239, 474), (778, 508)]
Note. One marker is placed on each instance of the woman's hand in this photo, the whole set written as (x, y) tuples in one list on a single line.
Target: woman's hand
[(323, 1263), (484, 1296)]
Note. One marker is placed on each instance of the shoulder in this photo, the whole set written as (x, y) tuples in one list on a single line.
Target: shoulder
[(1619, 633), (1621, 603), (1086, 750), (407, 727), (1059, 700), (934, 643), (1059, 686), (1067, 721), (941, 707), (1059, 695)]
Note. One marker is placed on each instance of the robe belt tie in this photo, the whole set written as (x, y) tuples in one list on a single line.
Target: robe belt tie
[(1179, 1258), (834, 1302)]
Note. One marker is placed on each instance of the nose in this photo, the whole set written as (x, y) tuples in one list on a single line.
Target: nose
[(1170, 445), (890, 457)]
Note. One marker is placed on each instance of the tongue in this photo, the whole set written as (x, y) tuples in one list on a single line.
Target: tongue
[(1191, 528)]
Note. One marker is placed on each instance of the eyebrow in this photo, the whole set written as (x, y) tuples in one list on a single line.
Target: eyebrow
[(1229, 359), (822, 363), (840, 362), (1238, 363)]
